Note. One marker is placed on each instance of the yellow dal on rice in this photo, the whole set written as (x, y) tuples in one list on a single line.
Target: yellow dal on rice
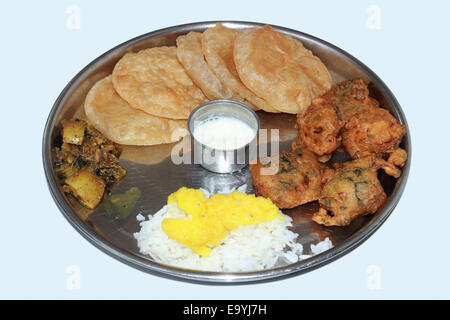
[(209, 220)]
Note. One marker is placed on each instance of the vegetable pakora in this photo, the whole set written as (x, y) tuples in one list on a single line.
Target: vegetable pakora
[(349, 97), (366, 128), (353, 190), (372, 130), (319, 129), (297, 179)]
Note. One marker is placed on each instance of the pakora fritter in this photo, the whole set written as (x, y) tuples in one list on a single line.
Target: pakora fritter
[(398, 157), (368, 128), (347, 112), (296, 180), (353, 190), (319, 128), (349, 97), (372, 130)]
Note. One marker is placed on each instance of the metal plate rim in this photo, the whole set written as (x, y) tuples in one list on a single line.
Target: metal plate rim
[(210, 277)]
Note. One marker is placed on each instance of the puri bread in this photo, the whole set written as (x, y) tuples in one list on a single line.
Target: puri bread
[(277, 68), (217, 44), (154, 81), (123, 124), (189, 53), (311, 65), (267, 71)]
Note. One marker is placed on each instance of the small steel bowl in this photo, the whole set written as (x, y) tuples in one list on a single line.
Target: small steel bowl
[(223, 160)]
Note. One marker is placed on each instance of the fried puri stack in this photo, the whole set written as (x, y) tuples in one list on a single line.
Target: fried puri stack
[(123, 124), (190, 54), (154, 81), (218, 48), (152, 92), (279, 69)]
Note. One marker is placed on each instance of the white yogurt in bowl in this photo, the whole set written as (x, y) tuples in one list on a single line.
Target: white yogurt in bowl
[(224, 133)]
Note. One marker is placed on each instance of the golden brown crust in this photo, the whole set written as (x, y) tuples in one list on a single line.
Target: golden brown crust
[(217, 44), (347, 97), (319, 128), (297, 179), (154, 81), (398, 157), (347, 112), (277, 68), (354, 190), (372, 130), (190, 54), (123, 124)]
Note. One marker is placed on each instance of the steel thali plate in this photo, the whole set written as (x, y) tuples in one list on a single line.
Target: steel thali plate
[(151, 170)]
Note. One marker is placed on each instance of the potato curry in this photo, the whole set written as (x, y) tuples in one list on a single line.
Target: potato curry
[(86, 162)]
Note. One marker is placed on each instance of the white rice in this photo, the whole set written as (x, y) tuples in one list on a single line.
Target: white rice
[(248, 248), (140, 217)]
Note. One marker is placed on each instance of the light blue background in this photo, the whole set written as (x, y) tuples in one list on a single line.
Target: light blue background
[(39, 55)]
